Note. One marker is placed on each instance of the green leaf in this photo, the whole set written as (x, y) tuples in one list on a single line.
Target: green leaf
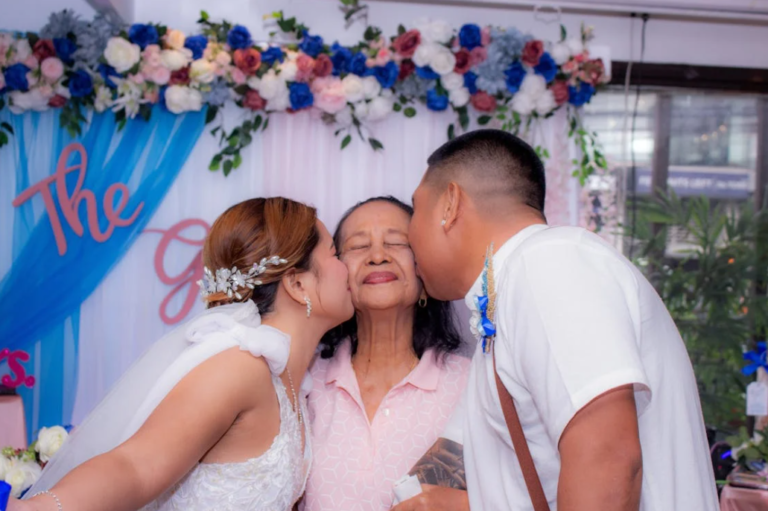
[(451, 132), (237, 160), (266, 123), (397, 107), (257, 123), (162, 30), (204, 15), (400, 30), (233, 140), (501, 117), (7, 127), (3, 138), (227, 167), (410, 112), (483, 120), (372, 33), (210, 115), (463, 118), (215, 163), (145, 111), (563, 33), (375, 144), (346, 141)]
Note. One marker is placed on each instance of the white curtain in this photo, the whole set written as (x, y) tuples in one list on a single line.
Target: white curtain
[(297, 157)]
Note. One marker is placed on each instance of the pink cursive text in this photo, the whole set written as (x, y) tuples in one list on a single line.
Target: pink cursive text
[(19, 377)]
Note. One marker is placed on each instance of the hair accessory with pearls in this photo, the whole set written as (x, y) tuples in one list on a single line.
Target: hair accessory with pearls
[(230, 281)]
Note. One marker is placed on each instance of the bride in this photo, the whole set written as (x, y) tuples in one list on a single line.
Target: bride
[(211, 416)]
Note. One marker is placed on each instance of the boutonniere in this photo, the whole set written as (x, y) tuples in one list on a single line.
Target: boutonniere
[(481, 323)]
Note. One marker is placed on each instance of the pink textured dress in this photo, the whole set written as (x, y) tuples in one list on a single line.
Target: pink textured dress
[(357, 462)]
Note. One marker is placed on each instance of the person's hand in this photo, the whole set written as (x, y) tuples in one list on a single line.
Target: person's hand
[(436, 498)]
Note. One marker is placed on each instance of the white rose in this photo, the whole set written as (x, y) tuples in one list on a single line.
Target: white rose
[(436, 32), (523, 104), (49, 441), (33, 100), (575, 45), (254, 82), (280, 102), (459, 97), (103, 98), (344, 118), (424, 54), (23, 50), (5, 465), (387, 93), (452, 81), (21, 476), (379, 108), (122, 54), (353, 88), (174, 59), (545, 103), (180, 99), (533, 85), (272, 86), (202, 71), (371, 87), (443, 61), (175, 39), (561, 53), (288, 70), (361, 110)]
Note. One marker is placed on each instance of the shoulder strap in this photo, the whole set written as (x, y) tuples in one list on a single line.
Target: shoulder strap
[(532, 481)]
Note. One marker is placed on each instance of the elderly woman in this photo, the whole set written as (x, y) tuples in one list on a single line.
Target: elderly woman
[(387, 380)]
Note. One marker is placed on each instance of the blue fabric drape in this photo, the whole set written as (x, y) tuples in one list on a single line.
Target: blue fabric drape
[(41, 292)]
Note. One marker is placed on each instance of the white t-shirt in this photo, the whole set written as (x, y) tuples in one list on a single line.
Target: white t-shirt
[(575, 319)]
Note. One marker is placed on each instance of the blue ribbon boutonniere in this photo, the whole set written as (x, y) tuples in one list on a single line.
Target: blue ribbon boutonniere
[(758, 359)]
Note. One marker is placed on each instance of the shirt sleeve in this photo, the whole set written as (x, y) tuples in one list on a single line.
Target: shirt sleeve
[(454, 428), (570, 329)]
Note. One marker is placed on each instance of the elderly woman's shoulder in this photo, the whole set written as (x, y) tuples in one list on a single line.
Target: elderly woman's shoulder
[(455, 365)]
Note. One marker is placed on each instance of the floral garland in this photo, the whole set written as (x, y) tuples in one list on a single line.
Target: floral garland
[(21, 468), (501, 75)]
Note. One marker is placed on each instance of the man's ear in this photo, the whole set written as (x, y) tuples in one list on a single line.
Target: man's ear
[(453, 206), (294, 284)]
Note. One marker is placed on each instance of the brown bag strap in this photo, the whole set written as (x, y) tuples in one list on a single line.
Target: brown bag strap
[(532, 481)]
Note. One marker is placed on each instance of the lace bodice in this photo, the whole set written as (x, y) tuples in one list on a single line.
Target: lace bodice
[(273, 481)]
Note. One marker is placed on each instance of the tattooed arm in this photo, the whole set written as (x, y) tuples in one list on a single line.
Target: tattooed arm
[(442, 465)]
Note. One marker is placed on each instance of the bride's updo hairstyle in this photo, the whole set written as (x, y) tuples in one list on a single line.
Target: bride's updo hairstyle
[(256, 229)]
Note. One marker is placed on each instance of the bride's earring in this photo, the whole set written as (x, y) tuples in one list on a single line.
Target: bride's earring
[(309, 305), (443, 222)]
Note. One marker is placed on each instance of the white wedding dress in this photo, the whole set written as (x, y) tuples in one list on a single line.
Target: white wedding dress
[(273, 481)]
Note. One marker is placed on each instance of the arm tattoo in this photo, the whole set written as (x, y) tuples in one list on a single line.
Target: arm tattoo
[(442, 465)]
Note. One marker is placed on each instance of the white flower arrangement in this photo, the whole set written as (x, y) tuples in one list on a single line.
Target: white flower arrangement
[(22, 468)]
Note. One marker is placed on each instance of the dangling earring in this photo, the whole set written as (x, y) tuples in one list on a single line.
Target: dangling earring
[(309, 306), (423, 299), (443, 222)]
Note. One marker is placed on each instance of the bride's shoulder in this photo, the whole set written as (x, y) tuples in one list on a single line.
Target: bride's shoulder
[(237, 372)]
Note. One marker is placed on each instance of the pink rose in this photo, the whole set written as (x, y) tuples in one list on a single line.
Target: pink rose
[(253, 101), (57, 101), (248, 61), (570, 67), (138, 78), (483, 102), (152, 95), (532, 53), (329, 95), (485, 36), (151, 56), (406, 44), (43, 49), (592, 72), (477, 55), (305, 65), (560, 92), (238, 77), (323, 65), (159, 75), (52, 69), (382, 57), (463, 62), (31, 62)]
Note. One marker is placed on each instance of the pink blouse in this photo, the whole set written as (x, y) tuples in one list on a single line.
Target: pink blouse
[(357, 462)]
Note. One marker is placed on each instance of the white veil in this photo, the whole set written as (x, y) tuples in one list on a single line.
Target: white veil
[(154, 375)]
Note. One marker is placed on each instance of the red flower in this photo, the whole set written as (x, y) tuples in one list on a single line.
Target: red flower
[(406, 68), (323, 65), (253, 101), (57, 101), (248, 61), (405, 45), (532, 53), (43, 49), (483, 102), (463, 61), (560, 92), (592, 71), (180, 77)]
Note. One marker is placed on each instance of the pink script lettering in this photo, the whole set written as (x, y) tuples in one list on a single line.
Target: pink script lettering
[(19, 377), (70, 203)]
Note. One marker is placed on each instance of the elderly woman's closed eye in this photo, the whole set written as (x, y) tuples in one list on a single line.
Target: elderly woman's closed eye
[(388, 379)]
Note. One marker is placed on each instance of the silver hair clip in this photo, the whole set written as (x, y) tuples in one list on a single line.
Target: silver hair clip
[(231, 281)]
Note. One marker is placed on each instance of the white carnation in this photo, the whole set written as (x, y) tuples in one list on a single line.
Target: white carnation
[(361, 110), (371, 87), (174, 59), (523, 104), (379, 108), (33, 100), (575, 45), (545, 103), (49, 441), (436, 32), (354, 89), (424, 54), (561, 53), (533, 85), (344, 117), (122, 54), (288, 70), (452, 81), (21, 475), (180, 99), (443, 61), (202, 71), (459, 97)]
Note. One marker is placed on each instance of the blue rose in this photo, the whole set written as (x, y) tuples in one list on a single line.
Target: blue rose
[(580, 96), (515, 75), (386, 75), (340, 58), (16, 77), (239, 38), (312, 45), (80, 84), (547, 67), (470, 36), (271, 55), (143, 35), (469, 82), (198, 44), (357, 64), (436, 101), (64, 49), (107, 72), (301, 96), (427, 73)]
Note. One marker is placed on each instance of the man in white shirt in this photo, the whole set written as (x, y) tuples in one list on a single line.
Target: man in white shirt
[(600, 377)]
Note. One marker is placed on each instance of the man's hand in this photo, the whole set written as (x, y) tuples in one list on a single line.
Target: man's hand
[(442, 465), (601, 460), (436, 498)]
